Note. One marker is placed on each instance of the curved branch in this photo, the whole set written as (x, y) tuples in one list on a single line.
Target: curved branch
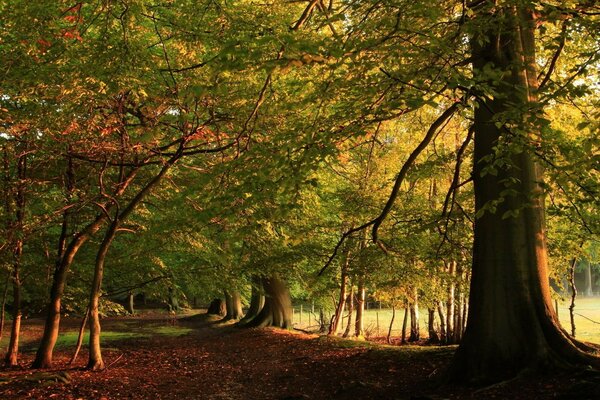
[(376, 222)]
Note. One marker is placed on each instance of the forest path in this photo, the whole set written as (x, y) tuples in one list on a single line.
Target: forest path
[(196, 358)]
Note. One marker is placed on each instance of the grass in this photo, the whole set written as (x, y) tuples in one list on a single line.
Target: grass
[(121, 330), (377, 320)]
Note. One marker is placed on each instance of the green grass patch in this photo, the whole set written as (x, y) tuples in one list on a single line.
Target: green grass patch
[(171, 330), (69, 339)]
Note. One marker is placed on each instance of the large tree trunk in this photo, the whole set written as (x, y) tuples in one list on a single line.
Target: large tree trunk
[(95, 362), (233, 306), (434, 336), (277, 310), (217, 307), (257, 301), (512, 325), (415, 330)]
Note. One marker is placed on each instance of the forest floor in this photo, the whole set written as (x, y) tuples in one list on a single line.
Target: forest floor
[(160, 357)]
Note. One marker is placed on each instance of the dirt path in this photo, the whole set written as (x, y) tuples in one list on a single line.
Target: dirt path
[(218, 363)]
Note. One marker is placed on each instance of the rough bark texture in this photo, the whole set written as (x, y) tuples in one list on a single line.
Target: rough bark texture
[(277, 310), (512, 326)]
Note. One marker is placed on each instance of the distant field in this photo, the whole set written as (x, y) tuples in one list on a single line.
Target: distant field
[(587, 320)]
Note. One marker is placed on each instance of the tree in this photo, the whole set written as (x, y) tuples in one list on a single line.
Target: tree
[(512, 325)]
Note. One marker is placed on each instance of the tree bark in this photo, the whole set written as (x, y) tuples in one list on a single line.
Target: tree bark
[(341, 305), (257, 302), (389, 335), (440, 309), (277, 310), (404, 323), (512, 326), (450, 303), (95, 362), (589, 291), (434, 336), (350, 303), (233, 306), (12, 353), (415, 331), (66, 255), (130, 308), (359, 330), (80, 336), (217, 307)]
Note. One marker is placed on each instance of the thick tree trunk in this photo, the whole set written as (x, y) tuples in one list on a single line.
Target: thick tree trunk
[(95, 362), (277, 310), (172, 302), (359, 330), (404, 323), (233, 306), (43, 358), (257, 302), (434, 336), (341, 305), (130, 308), (440, 310), (512, 325), (217, 307)]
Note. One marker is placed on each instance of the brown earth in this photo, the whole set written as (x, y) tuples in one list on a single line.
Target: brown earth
[(217, 362)]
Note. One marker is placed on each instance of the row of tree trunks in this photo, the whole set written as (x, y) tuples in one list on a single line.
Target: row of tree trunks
[(341, 304), (65, 257)]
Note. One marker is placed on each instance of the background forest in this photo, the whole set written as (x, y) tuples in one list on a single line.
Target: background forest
[(323, 153)]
